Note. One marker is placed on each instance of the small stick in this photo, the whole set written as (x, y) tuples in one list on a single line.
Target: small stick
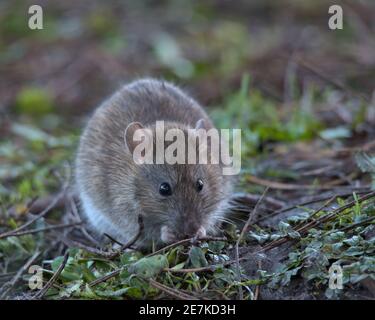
[(314, 223), (113, 239), (172, 292), (72, 243), (291, 186), (315, 200), (201, 269), (50, 282), (244, 229), (11, 209), (358, 224), (132, 241), (240, 198), (105, 278), (186, 241), (210, 268), (335, 212), (18, 275), (326, 204), (32, 231), (181, 242), (6, 275), (257, 288), (75, 214), (334, 82), (40, 215)]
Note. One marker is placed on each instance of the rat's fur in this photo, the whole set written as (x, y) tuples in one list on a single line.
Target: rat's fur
[(114, 190)]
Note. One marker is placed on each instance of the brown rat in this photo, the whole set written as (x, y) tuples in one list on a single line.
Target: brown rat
[(175, 201)]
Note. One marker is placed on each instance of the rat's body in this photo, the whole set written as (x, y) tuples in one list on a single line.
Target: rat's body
[(114, 190)]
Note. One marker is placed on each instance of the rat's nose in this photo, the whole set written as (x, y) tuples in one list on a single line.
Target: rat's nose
[(201, 232), (195, 232), (168, 236)]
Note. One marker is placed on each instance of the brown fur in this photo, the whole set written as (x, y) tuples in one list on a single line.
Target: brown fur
[(120, 190)]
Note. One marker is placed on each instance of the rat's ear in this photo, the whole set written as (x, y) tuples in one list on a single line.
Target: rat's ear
[(200, 131), (201, 124), (129, 135)]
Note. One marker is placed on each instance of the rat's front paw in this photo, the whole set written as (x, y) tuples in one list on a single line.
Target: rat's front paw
[(167, 235)]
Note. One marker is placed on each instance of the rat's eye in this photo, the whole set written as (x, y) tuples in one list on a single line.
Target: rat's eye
[(199, 185), (165, 189)]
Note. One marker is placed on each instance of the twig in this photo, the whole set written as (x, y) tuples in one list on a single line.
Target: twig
[(326, 204), (186, 241), (72, 243), (42, 203), (190, 270), (32, 231), (105, 278), (75, 214), (7, 275), (132, 241), (210, 268), (315, 200), (334, 82), (291, 186), (314, 223), (358, 224), (238, 199), (40, 215), (50, 282), (18, 275), (335, 212), (244, 229), (172, 292), (257, 287), (117, 271), (113, 239), (252, 214)]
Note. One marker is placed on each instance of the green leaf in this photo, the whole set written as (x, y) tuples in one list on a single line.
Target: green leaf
[(288, 275), (72, 271), (354, 251), (284, 227), (260, 237), (150, 266), (365, 162), (197, 257), (131, 292), (353, 241), (73, 288), (294, 234), (216, 246), (129, 257), (179, 266)]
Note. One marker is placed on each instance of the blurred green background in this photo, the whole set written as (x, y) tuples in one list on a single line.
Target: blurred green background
[(272, 68), (300, 92)]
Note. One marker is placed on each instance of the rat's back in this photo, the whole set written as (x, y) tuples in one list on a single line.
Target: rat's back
[(150, 100)]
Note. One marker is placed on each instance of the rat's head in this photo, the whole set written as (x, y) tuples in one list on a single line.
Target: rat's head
[(177, 201)]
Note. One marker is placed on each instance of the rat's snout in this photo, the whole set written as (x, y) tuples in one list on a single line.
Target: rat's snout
[(201, 232), (168, 235)]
